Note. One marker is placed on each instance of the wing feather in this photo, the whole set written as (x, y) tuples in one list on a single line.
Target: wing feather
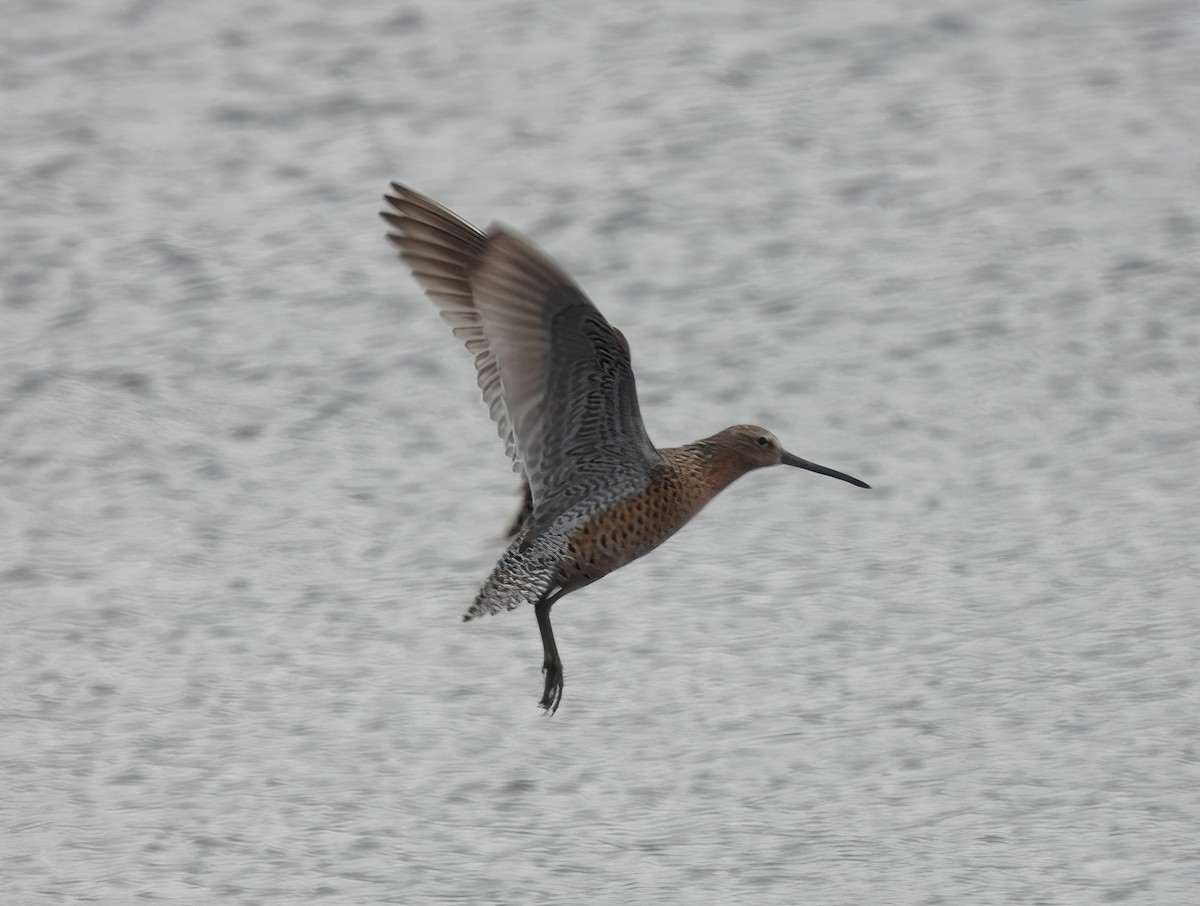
[(556, 376)]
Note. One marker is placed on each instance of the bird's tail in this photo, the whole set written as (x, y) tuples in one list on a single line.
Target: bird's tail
[(522, 576), (521, 520)]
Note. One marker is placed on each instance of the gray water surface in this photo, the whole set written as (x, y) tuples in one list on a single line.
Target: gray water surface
[(247, 487)]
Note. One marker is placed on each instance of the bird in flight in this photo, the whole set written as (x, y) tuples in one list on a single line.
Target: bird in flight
[(557, 380)]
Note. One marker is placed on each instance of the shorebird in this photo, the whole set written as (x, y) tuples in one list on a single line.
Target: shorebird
[(557, 379)]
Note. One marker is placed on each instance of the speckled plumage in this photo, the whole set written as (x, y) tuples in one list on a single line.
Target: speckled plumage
[(558, 382)]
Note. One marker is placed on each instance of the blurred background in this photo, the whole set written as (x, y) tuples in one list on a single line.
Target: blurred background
[(247, 486)]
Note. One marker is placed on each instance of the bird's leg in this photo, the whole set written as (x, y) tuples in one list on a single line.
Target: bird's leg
[(551, 664), (522, 518)]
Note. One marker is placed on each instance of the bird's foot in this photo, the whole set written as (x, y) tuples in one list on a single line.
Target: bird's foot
[(554, 687)]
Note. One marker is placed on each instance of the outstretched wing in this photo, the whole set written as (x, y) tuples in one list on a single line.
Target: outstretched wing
[(555, 375)]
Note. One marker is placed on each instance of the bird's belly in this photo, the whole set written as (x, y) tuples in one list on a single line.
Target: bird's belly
[(619, 535)]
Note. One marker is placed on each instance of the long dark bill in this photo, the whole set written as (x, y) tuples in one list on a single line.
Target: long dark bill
[(790, 460)]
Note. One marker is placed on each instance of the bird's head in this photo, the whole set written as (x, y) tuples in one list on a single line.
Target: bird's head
[(758, 447)]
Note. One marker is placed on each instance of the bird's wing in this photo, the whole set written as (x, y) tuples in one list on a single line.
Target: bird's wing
[(555, 375), (441, 248)]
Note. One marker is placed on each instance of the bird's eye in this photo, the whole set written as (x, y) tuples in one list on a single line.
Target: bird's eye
[(763, 442)]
